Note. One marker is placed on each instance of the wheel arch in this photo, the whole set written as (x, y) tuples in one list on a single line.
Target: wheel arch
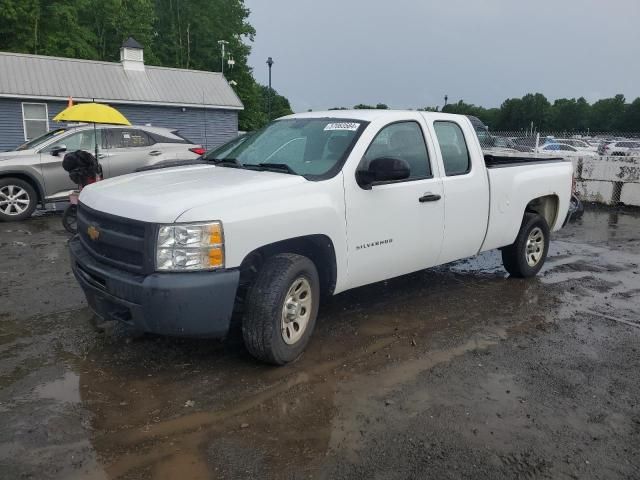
[(318, 248), (546, 206)]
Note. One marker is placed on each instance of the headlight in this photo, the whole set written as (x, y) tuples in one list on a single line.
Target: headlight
[(185, 247)]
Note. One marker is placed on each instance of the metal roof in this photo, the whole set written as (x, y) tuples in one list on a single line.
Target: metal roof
[(131, 43), (37, 76)]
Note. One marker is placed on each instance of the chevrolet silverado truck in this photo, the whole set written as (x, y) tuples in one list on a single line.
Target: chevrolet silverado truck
[(312, 205)]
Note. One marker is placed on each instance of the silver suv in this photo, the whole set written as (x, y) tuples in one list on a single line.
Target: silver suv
[(33, 174)]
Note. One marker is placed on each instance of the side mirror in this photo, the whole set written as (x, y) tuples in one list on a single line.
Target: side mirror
[(58, 149), (383, 169)]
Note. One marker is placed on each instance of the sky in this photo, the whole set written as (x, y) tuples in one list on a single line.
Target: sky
[(410, 53)]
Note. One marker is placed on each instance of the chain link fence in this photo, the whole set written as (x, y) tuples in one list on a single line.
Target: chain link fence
[(589, 144), (606, 165)]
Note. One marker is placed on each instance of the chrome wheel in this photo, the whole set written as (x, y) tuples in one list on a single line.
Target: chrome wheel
[(535, 246), (296, 310), (14, 200)]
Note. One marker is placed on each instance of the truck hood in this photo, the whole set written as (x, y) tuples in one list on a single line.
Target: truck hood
[(161, 196)]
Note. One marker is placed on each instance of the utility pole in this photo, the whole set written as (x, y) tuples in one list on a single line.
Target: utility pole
[(222, 44), (270, 63), (446, 97)]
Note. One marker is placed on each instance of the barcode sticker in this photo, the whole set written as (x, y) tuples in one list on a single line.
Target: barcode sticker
[(342, 126)]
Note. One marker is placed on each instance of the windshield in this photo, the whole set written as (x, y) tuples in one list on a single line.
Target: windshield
[(41, 139), (302, 146)]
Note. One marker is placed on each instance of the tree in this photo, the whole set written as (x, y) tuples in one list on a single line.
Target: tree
[(631, 118), (569, 115), (279, 104), (607, 114)]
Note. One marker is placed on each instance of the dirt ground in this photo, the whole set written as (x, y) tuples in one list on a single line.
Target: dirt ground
[(457, 372)]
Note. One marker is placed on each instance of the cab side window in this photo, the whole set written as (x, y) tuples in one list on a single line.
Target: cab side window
[(453, 148), (403, 140)]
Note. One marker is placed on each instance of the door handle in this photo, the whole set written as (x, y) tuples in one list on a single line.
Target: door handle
[(429, 197), (155, 153)]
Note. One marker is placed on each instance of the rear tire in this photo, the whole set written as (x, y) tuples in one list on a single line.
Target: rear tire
[(281, 308), (18, 199), (526, 256)]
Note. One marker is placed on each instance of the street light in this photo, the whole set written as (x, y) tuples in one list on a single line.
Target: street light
[(222, 44), (270, 63), (445, 101)]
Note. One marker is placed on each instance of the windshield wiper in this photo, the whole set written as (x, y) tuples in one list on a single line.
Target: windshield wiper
[(278, 167), (226, 162)]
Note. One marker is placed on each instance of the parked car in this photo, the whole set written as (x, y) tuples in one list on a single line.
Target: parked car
[(524, 144), (33, 172), (564, 150), (503, 142), (621, 148), (578, 144), (314, 204), (482, 132)]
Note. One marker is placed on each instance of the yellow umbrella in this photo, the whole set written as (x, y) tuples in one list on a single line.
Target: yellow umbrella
[(92, 113)]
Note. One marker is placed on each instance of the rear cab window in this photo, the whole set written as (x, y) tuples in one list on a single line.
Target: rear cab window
[(453, 147)]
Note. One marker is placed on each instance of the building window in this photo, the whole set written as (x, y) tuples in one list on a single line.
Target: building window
[(35, 119)]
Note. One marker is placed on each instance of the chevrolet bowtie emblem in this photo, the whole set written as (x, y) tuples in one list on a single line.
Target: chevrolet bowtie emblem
[(93, 233)]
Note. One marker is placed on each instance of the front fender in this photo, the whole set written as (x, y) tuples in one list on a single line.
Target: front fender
[(261, 218)]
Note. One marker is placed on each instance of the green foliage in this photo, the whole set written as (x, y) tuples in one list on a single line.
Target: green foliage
[(608, 114), (279, 104), (174, 33), (570, 115)]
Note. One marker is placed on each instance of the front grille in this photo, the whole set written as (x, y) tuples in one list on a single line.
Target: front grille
[(114, 240)]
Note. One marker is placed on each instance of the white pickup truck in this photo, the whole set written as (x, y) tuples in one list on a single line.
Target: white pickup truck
[(312, 205)]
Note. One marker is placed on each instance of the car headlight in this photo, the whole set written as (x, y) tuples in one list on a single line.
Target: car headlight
[(186, 247)]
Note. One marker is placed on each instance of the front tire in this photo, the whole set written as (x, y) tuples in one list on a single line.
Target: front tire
[(18, 199), (281, 309), (526, 256)]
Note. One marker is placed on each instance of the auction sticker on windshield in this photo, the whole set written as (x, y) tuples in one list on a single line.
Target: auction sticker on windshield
[(351, 126)]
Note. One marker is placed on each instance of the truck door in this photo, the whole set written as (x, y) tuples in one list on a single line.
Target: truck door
[(466, 190), (397, 227)]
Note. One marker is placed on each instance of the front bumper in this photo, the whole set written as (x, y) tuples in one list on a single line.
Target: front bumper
[(181, 304)]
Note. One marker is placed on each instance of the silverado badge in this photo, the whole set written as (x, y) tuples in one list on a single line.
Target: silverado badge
[(93, 233)]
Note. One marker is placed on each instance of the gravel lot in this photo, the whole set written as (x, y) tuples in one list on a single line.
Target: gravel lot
[(456, 372)]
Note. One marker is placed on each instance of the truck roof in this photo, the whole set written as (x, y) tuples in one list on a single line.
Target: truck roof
[(370, 115)]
